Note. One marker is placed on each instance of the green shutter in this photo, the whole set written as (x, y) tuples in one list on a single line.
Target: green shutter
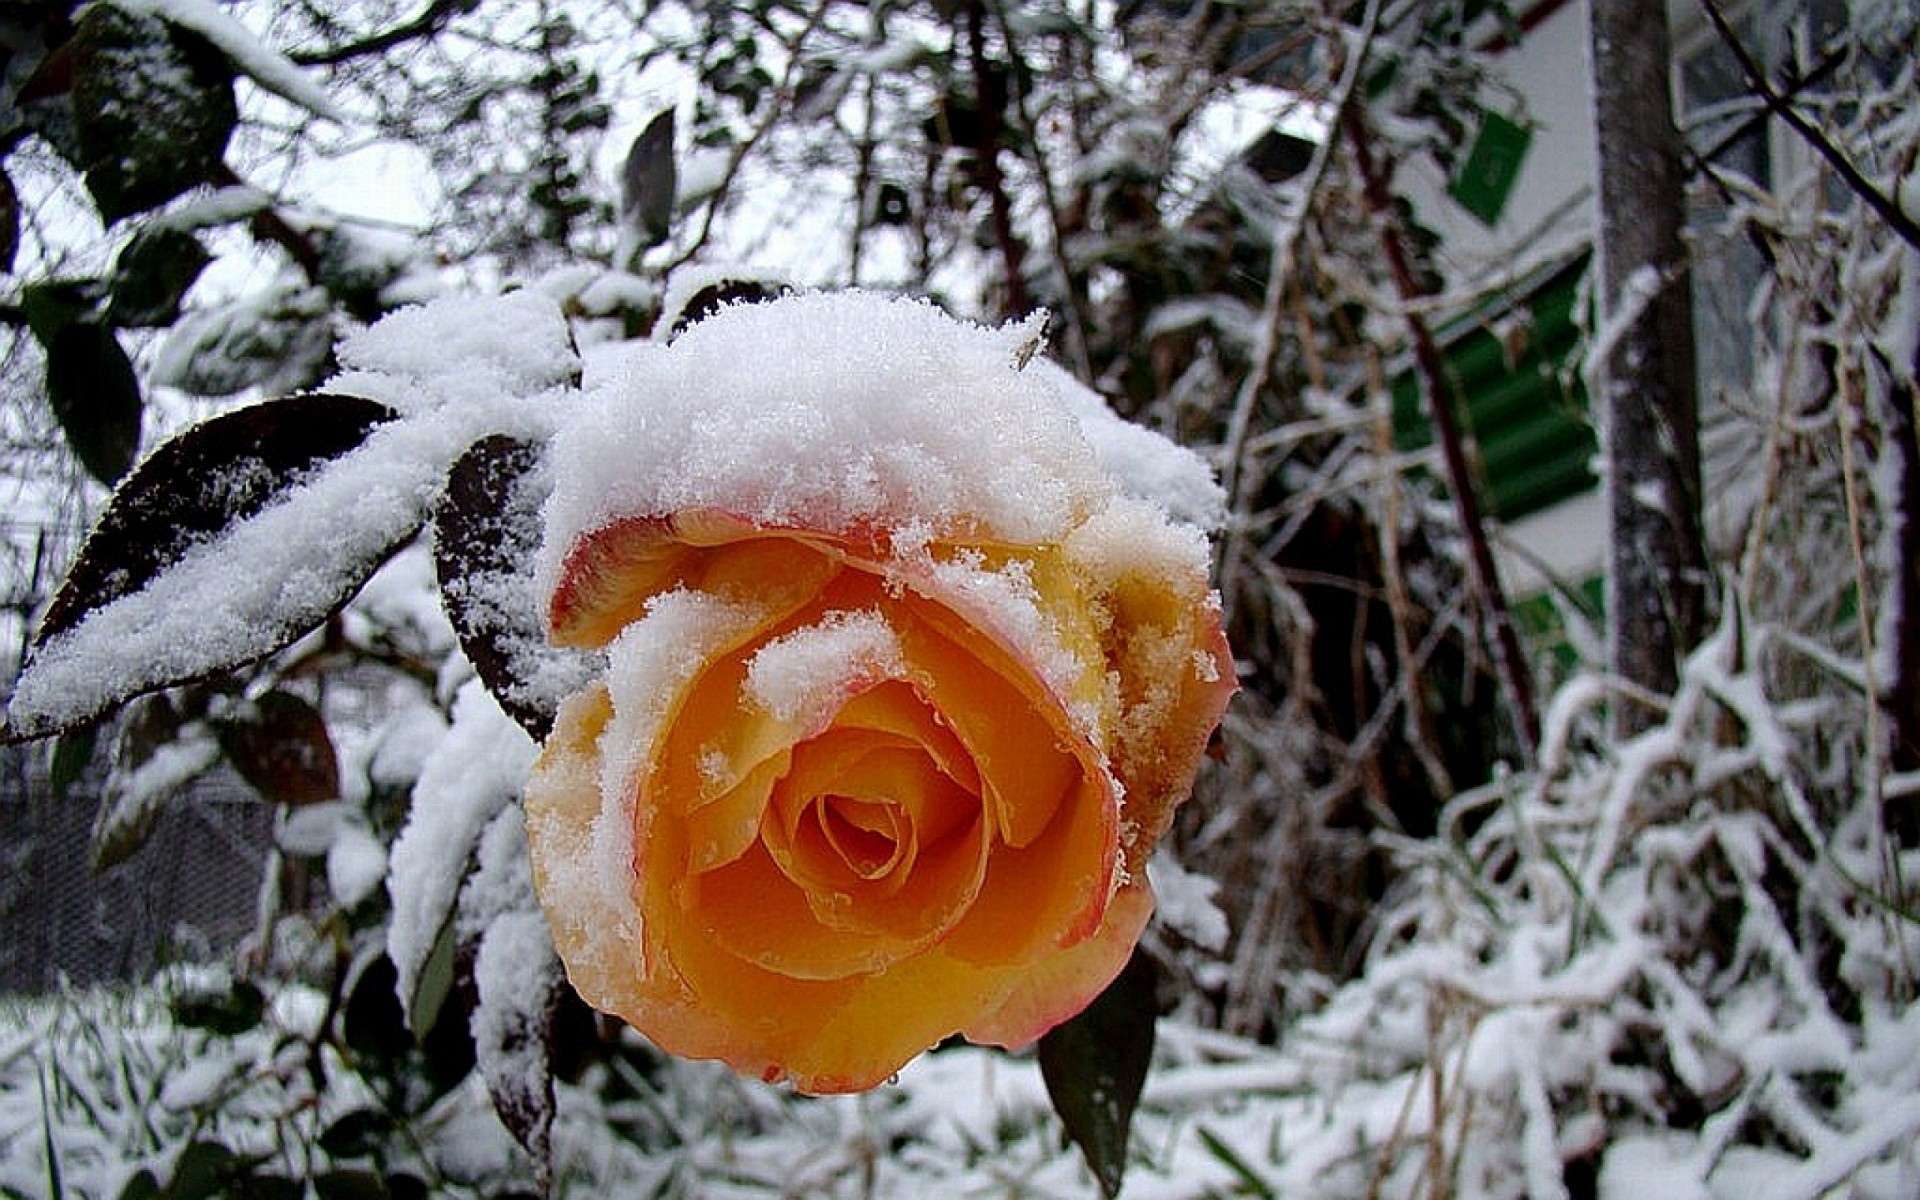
[(1527, 413), (1485, 179)]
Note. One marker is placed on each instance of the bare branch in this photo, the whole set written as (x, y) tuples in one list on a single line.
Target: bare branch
[(424, 24), (1883, 205)]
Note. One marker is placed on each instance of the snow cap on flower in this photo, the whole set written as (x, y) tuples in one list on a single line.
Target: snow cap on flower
[(912, 412)]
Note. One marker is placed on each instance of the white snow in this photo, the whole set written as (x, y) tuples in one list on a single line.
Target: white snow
[(248, 54), (1141, 463), (1183, 901), (800, 671), (829, 410), (460, 348), (469, 777)]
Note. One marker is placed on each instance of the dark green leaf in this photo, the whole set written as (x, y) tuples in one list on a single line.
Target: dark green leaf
[(229, 1011), (266, 1187), (1095, 1065), (349, 1185), (203, 1170), (141, 1185), (54, 304), (152, 274), (71, 755), (648, 182), (407, 1187), (374, 1026), (279, 744), (486, 530), (95, 397), (153, 108), (90, 382), (357, 1134)]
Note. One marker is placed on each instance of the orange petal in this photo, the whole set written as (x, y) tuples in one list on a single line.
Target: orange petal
[(580, 880), (1058, 985), (1028, 756), (609, 575)]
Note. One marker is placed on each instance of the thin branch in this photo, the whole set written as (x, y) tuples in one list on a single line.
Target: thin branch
[(424, 24), (987, 162), (1234, 477), (1882, 204), (1508, 656), (737, 157), (1070, 292)]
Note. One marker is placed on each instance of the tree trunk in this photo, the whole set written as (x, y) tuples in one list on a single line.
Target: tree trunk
[(1649, 414)]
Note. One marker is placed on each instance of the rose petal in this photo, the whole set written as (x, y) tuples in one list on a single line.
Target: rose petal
[(1059, 985), (608, 576)]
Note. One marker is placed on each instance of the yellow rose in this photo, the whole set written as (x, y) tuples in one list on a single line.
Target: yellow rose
[(858, 780)]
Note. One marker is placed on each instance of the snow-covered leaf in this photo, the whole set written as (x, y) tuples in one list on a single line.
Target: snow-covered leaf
[(153, 107), (279, 341), (518, 978), (156, 753), (215, 476), (486, 534), (245, 52), (475, 771)]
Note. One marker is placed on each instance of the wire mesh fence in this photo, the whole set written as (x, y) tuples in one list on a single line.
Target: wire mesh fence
[(189, 893)]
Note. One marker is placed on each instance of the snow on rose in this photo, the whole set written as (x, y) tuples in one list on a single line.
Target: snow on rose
[(901, 690)]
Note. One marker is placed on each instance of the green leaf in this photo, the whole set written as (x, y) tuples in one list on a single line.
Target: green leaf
[(435, 982), (350, 1184), (1250, 1179), (141, 1185), (91, 386), (357, 1134), (203, 1170), (71, 755), (95, 397), (486, 531), (151, 276), (279, 744), (373, 1025), (407, 1187), (1095, 1065), (153, 108)]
